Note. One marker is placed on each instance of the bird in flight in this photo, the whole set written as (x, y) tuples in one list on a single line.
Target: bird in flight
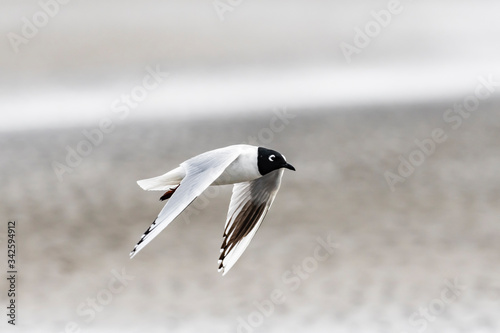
[(256, 174)]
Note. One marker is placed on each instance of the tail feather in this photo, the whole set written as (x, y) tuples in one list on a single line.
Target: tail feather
[(163, 182)]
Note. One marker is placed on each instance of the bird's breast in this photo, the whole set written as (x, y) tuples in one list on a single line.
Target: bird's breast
[(243, 169)]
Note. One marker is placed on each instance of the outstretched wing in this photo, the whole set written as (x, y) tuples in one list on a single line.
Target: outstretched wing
[(250, 203), (201, 172)]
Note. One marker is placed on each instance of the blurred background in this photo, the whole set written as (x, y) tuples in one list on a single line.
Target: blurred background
[(389, 111)]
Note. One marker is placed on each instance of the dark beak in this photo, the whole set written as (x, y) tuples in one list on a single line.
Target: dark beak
[(289, 166)]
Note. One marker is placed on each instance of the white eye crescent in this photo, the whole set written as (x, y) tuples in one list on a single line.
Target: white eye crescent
[(271, 158)]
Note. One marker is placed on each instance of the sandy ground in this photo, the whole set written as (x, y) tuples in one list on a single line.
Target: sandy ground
[(422, 258)]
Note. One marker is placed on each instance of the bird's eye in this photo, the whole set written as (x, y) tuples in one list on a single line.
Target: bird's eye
[(271, 158)]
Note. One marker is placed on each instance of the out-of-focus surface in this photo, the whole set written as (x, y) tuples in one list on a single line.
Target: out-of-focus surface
[(76, 64), (396, 250), (395, 145)]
